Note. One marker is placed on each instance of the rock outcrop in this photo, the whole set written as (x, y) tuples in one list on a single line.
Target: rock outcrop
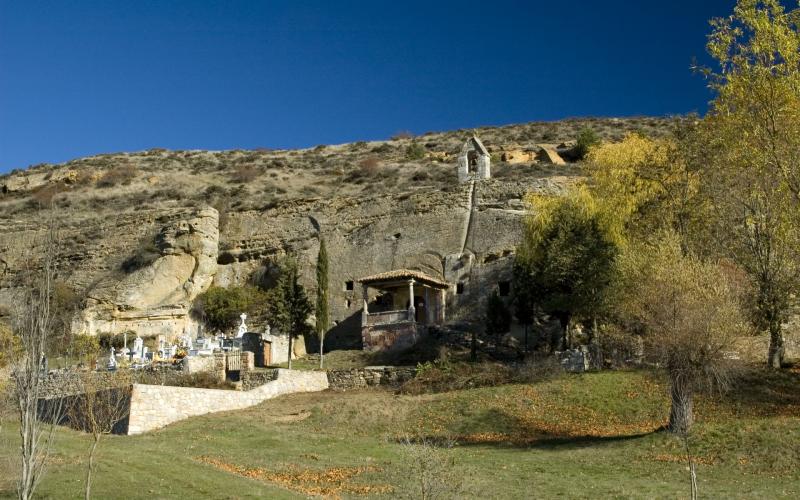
[(157, 298)]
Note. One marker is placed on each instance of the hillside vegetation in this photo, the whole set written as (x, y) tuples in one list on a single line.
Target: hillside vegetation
[(260, 179)]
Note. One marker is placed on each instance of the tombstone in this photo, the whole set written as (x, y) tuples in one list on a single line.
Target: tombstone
[(112, 361), (173, 350), (242, 328), (138, 348)]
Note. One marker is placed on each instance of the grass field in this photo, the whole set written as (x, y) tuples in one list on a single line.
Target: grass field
[(592, 435)]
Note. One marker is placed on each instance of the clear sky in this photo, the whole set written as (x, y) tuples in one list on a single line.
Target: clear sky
[(80, 77)]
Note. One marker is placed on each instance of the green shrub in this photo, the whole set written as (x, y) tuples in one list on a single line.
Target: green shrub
[(587, 139), (415, 151), (221, 307), (107, 340), (498, 317)]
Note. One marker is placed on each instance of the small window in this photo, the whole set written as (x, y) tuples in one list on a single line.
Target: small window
[(504, 288), (459, 288), (348, 286), (348, 303)]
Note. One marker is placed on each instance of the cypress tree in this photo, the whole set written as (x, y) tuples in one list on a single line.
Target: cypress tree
[(289, 307), (322, 314)]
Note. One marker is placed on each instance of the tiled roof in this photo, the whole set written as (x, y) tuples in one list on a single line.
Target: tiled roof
[(403, 274)]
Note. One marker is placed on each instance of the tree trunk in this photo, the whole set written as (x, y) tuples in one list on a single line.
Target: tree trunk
[(681, 415), (776, 349), (87, 493), (321, 347), (692, 471)]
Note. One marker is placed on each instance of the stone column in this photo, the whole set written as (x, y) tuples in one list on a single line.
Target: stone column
[(364, 310), (442, 304), (428, 307), (411, 309)]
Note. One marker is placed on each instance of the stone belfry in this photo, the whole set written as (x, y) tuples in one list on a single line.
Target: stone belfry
[(473, 161)]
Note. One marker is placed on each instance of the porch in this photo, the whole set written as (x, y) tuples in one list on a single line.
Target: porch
[(408, 303)]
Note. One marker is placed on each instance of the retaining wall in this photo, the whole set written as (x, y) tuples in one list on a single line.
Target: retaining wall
[(155, 406), (393, 376)]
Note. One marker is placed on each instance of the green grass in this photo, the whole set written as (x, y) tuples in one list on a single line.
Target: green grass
[(591, 435)]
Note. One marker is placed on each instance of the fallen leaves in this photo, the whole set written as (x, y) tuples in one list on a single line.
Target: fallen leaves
[(669, 457), (327, 483)]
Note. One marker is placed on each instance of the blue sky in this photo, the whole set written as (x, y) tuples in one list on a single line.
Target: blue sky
[(85, 77)]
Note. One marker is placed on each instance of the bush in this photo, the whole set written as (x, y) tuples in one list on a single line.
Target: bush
[(84, 345), (170, 377), (415, 151), (120, 175), (587, 138), (421, 176), (107, 340), (244, 174), (369, 166), (443, 376), (44, 195), (9, 344), (221, 307), (498, 317)]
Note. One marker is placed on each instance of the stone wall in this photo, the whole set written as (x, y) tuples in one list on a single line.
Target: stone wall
[(393, 376), (252, 379), (69, 383), (390, 336), (153, 407)]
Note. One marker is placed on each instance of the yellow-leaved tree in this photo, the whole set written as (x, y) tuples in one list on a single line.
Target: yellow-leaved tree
[(646, 186), (752, 157)]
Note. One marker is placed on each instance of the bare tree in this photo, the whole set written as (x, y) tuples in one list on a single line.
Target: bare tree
[(101, 405), (33, 321), (435, 474), (689, 316)]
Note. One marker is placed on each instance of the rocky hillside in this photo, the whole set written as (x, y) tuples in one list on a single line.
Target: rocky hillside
[(143, 233)]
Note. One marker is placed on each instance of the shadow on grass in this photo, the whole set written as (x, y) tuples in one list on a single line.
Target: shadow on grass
[(542, 441), (497, 428), (764, 392)]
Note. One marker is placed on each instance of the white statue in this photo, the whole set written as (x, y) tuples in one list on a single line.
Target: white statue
[(242, 327), (266, 331)]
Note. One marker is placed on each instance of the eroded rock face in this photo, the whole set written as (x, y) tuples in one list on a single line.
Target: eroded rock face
[(156, 298)]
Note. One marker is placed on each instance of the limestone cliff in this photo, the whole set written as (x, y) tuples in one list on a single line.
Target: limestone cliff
[(157, 298)]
